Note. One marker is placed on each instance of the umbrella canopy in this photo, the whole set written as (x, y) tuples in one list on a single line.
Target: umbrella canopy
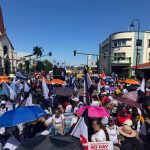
[(21, 115), (51, 143), (93, 111), (80, 91), (131, 95), (131, 81), (129, 101), (112, 88), (57, 81), (63, 91)]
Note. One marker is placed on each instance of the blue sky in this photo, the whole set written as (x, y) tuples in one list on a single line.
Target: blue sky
[(61, 26)]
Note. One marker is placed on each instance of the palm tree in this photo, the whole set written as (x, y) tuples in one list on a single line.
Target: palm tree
[(37, 51)]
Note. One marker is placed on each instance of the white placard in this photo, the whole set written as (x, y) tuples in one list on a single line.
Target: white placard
[(108, 145)]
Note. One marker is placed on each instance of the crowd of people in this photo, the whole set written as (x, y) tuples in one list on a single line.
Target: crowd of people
[(128, 127)]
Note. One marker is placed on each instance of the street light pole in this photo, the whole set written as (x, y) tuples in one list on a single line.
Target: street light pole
[(137, 42)]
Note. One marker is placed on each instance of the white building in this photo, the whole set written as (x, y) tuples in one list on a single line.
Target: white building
[(123, 45), (8, 55)]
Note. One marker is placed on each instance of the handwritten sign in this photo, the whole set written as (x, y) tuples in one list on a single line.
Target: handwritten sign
[(100, 145)]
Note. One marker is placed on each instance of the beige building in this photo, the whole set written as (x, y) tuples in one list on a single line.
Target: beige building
[(118, 47), (8, 55)]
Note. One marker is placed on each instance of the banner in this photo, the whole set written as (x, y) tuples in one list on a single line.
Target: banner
[(108, 145)]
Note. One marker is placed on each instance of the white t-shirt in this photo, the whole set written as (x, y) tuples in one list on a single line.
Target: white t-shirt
[(99, 136), (12, 143), (68, 108), (95, 103), (58, 121), (112, 133)]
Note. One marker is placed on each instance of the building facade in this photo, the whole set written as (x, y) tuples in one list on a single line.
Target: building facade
[(8, 56), (118, 47)]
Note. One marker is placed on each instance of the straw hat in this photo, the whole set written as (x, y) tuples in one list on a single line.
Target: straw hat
[(127, 131), (128, 122)]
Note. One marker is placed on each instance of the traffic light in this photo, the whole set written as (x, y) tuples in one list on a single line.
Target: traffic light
[(50, 53), (75, 52)]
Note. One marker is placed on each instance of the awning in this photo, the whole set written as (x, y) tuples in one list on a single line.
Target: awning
[(140, 66)]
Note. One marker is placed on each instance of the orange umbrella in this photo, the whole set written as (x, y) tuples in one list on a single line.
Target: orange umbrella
[(120, 81), (47, 81), (131, 81), (3, 77), (57, 81)]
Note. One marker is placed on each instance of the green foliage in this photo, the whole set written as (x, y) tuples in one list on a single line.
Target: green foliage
[(40, 66), (48, 65), (37, 51), (27, 66)]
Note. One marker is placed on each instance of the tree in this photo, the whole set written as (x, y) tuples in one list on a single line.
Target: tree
[(37, 51), (40, 66), (27, 63), (20, 66), (48, 65)]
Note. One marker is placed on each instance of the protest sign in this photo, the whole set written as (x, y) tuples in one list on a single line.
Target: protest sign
[(108, 145)]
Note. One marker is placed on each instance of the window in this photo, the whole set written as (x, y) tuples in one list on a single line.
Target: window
[(119, 56), (122, 42), (148, 42)]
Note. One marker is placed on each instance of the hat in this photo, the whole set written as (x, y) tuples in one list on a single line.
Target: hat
[(127, 131), (76, 99), (128, 122), (3, 102)]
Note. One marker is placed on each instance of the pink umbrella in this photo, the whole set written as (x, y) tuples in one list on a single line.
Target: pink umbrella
[(131, 95), (93, 111)]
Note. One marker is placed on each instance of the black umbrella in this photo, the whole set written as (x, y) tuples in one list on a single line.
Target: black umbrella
[(63, 91), (51, 143)]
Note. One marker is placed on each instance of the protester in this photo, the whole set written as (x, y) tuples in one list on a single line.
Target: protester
[(58, 122), (128, 139), (101, 134)]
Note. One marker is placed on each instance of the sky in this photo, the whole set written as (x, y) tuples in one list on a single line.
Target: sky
[(61, 26)]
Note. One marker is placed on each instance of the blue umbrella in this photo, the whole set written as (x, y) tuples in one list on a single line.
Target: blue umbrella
[(21, 115)]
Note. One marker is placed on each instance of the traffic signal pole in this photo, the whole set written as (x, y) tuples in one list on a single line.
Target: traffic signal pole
[(87, 54)]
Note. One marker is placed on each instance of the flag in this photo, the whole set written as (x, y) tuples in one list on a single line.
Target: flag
[(13, 85), (8, 91), (81, 130), (20, 75), (27, 102), (99, 86), (26, 87), (45, 89), (142, 92), (87, 85)]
